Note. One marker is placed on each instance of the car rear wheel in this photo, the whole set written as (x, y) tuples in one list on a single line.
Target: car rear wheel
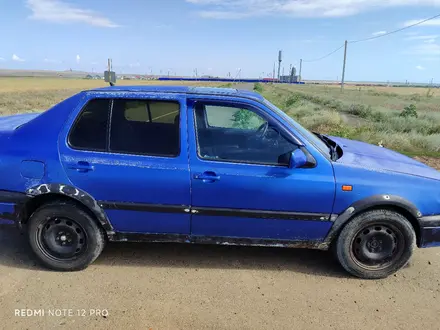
[(64, 236), (375, 244)]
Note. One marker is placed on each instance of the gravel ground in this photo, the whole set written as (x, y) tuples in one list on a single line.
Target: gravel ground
[(172, 286)]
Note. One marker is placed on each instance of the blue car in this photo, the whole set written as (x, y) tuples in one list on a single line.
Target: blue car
[(207, 165)]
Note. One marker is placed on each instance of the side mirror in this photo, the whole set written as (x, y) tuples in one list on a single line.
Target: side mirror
[(297, 159)]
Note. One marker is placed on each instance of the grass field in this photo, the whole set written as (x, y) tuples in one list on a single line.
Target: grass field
[(19, 95), (400, 118), (372, 114)]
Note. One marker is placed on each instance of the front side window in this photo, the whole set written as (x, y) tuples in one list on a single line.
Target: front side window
[(145, 127), (228, 133), (89, 132), (230, 117)]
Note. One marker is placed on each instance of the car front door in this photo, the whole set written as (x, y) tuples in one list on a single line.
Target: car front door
[(241, 183), (129, 152)]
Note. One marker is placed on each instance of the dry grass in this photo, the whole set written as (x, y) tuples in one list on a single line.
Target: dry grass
[(42, 84), (18, 95), (370, 115), (386, 89)]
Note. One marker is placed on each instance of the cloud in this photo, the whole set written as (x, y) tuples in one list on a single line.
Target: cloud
[(78, 58), (48, 60), (422, 37), (57, 11), (433, 22), (425, 49), (236, 9), (163, 26), (412, 33), (378, 33), (2, 59), (419, 67), (16, 58)]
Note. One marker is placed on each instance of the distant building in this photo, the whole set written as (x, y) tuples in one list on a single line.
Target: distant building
[(289, 79)]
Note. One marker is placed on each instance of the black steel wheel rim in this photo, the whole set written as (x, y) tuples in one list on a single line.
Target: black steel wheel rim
[(377, 246), (62, 239)]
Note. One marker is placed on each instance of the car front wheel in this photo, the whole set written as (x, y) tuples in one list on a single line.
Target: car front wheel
[(375, 244), (64, 236)]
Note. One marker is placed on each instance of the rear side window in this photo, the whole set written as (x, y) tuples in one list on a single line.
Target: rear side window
[(90, 129), (145, 127), (136, 111), (151, 111), (164, 112)]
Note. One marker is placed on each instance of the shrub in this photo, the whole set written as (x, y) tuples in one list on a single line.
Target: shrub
[(415, 97), (292, 100), (258, 87), (360, 110), (409, 111), (429, 93)]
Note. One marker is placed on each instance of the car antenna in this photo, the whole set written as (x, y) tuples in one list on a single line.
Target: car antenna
[(109, 75)]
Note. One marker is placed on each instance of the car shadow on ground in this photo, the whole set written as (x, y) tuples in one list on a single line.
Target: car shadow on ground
[(15, 252)]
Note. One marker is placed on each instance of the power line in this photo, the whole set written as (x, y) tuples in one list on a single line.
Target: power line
[(395, 31), (321, 58), (374, 37)]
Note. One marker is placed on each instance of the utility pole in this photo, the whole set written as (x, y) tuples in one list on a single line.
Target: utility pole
[(343, 66), (280, 59), (300, 68), (273, 76)]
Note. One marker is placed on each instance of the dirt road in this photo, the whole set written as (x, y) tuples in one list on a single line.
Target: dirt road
[(171, 286)]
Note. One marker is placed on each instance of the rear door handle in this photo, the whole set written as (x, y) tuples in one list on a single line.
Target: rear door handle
[(82, 167), (207, 176)]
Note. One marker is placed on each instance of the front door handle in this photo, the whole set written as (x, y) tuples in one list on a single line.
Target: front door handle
[(207, 177), (82, 166)]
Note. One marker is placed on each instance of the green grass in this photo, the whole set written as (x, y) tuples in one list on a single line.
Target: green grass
[(399, 121)]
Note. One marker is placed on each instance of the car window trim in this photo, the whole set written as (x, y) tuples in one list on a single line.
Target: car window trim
[(69, 133), (108, 130), (199, 156)]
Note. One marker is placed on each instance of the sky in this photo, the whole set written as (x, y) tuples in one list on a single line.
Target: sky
[(221, 37)]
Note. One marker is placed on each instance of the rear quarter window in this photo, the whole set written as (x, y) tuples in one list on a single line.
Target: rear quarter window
[(89, 131)]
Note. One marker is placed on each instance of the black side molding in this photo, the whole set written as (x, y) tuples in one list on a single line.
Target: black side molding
[(212, 211), (144, 207), (13, 197), (430, 221), (260, 214)]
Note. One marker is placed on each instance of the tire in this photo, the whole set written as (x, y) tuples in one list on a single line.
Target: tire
[(375, 244), (64, 237)]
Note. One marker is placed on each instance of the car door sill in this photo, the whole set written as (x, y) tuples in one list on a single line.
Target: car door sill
[(216, 240)]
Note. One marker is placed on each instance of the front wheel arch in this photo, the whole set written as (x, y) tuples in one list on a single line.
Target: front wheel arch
[(377, 202)]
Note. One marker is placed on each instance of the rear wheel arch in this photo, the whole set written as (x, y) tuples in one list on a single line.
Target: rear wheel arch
[(49, 193), (377, 202)]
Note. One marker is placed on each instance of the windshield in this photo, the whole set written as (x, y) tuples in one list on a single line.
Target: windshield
[(316, 141)]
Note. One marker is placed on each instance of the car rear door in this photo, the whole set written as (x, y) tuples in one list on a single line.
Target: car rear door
[(243, 189), (129, 152)]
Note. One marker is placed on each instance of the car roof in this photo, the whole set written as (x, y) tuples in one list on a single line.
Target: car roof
[(184, 90)]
